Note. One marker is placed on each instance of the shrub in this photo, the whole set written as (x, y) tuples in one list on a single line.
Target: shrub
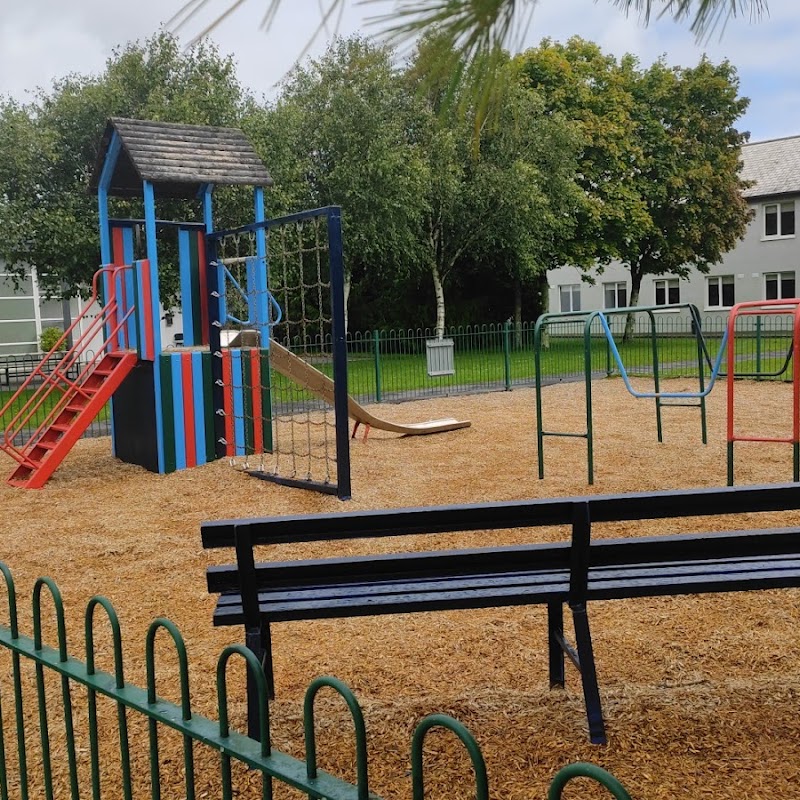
[(48, 339)]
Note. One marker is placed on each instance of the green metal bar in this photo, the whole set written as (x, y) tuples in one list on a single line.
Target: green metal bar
[(656, 381), (362, 777), (468, 740), (701, 378), (584, 770), (587, 360), (285, 768), (376, 349), (730, 463), (537, 369), (758, 347), (44, 730), (186, 703), (13, 631), (119, 678), (507, 354), (260, 680), (796, 461), (3, 776)]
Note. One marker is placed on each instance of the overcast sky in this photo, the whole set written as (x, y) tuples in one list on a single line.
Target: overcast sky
[(41, 40)]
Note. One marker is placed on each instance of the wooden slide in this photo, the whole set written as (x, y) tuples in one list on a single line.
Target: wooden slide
[(311, 379)]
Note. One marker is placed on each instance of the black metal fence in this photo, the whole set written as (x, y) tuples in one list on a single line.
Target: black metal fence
[(14, 370)]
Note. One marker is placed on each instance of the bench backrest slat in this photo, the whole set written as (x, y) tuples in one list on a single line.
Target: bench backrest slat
[(516, 558), (495, 516)]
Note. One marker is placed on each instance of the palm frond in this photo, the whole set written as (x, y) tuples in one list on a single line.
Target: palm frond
[(706, 15)]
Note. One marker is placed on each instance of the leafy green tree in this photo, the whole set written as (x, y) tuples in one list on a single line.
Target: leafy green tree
[(689, 173), (661, 160), (50, 148), (526, 176), (338, 135), (505, 209)]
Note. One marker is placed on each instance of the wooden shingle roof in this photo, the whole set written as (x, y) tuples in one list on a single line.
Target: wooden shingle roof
[(178, 159)]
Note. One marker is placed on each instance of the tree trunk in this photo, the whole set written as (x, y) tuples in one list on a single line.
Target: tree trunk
[(518, 313), (438, 289), (346, 286), (636, 285)]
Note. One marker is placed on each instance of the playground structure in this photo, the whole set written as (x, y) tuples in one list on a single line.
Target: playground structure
[(601, 356), (174, 408)]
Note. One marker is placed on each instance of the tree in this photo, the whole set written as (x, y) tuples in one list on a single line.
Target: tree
[(338, 134), (50, 146), (688, 176), (660, 165), (505, 209)]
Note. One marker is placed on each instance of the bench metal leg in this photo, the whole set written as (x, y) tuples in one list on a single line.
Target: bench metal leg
[(555, 638), (591, 692), (259, 641)]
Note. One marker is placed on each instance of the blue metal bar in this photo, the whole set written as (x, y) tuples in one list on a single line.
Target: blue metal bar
[(324, 211), (650, 395)]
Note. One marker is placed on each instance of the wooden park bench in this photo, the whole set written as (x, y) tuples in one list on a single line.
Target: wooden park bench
[(570, 572)]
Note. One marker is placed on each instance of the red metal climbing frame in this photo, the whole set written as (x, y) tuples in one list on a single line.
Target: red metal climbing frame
[(764, 308)]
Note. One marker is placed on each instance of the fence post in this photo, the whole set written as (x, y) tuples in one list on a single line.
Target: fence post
[(507, 353), (758, 348), (376, 339)]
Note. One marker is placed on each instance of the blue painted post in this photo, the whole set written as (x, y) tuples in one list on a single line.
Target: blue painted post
[(152, 256), (260, 307), (185, 269)]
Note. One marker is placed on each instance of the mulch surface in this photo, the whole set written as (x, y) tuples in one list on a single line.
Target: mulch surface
[(701, 694)]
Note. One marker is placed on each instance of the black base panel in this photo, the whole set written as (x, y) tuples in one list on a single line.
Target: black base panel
[(134, 415)]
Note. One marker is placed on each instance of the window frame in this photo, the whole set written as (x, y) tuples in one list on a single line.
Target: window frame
[(666, 282), (623, 285), (778, 204), (571, 287), (719, 280), (779, 274)]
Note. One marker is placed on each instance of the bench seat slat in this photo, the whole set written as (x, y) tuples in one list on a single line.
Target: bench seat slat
[(397, 603), (339, 587), (346, 600)]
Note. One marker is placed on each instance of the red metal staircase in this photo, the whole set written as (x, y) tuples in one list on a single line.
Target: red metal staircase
[(60, 398)]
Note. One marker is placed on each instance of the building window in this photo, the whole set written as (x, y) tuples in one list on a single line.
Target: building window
[(668, 292), (720, 291), (778, 220), (779, 285), (570, 297), (615, 295)]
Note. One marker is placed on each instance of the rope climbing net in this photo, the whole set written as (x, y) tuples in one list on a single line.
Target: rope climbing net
[(279, 363)]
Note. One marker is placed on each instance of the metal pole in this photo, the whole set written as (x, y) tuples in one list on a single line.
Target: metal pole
[(587, 361), (376, 349), (336, 262), (537, 366), (507, 353), (758, 347), (654, 343)]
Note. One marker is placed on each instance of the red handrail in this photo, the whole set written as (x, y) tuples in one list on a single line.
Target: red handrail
[(57, 378)]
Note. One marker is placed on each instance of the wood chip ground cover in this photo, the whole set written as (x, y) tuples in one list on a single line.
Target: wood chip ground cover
[(701, 694)]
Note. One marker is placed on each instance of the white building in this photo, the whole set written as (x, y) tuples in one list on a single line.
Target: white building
[(761, 267)]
